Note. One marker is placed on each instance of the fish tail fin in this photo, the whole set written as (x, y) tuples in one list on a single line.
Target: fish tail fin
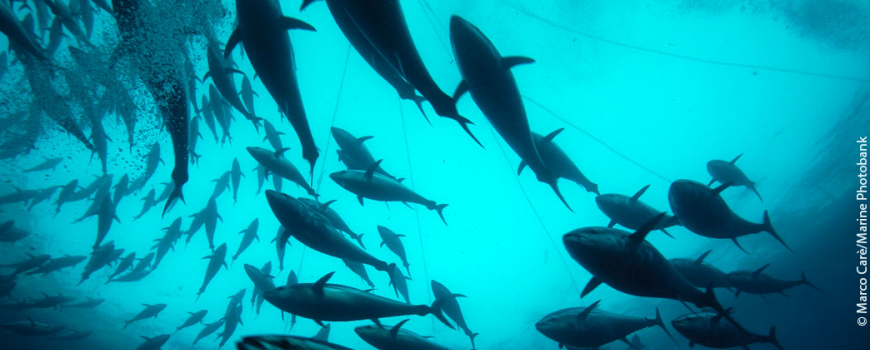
[(472, 336), (175, 195), (711, 301), (305, 4), (555, 186), (418, 100), (767, 226), (358, 238), (463, 122), (440, 209), (435, 310), (661, 323), (771, 338), (804, 280), (752, 187), (591, 187)]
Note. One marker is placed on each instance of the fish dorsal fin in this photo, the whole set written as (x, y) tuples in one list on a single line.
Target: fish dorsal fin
[(639, 236), (360, 140), (32, 322), (582, 316), (399, 180), (758, 272), (144, 337), (371, 170), (461, 89), (736, 158), (325, 206), (279, 153), (511, 61), (395, 330), (318, 286), (549, 138), (288, 23), (701, 258), (718, 190), (637, 195)]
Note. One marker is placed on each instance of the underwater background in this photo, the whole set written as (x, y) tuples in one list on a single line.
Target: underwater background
[(647, 91)]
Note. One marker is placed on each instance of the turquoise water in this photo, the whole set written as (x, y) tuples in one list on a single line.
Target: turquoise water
[(647, 94)]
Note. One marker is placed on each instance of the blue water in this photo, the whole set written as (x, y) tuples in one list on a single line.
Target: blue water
[(648, 93)]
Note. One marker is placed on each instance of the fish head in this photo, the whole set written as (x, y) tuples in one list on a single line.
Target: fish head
[(692, 324), (610, 202), (288, 297), (234, 299), (590, 246), (258, 152), (252, 271), (342, 137), (684, 194), (371, 333), (342, 178), (555, 326), (384, 232), (287, 209), (684, 190), (717, 168), (471, 49)]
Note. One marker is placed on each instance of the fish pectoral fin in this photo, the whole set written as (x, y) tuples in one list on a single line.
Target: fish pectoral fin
[(360, 198), (736, 158), (288, 23), (511, 61), (611, 223), (718, 190), (522, 166), (461, 89), (593, 283)]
